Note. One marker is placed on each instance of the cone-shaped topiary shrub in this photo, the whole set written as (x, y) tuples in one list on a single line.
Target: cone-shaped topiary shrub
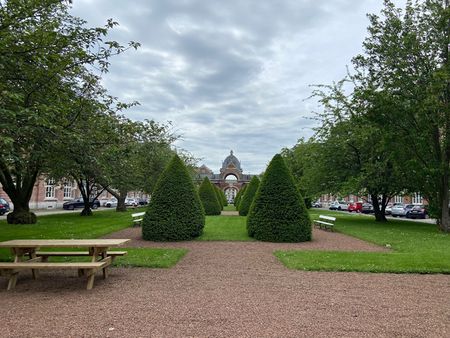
[(224, 198), (209, 198), (175, 212), (238, 197), (278, 212), (247, 198), (218, 195)]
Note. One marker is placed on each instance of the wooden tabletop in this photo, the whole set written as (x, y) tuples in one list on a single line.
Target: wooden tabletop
[(61, 243)]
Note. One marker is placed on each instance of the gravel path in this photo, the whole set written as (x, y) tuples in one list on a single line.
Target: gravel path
[(229, 289)]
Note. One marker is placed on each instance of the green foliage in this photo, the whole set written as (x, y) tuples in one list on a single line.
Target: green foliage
[(218, 195), (239, 195), (223, 197), (46, 85), (278, 213), (175, 212), (209, 199), (247, 199)]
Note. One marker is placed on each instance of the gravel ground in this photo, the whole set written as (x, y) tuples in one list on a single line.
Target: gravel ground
[(229, 289)]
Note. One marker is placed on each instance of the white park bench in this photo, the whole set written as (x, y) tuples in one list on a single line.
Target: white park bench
[(325, 222), (137, 217)]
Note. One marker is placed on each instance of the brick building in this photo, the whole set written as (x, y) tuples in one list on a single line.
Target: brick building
[(51, 194)]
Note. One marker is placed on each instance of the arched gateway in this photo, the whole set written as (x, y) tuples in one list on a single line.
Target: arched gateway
[(230, 180)]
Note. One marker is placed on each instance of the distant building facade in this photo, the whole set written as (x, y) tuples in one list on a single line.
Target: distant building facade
[(51, 194), (231, 168)]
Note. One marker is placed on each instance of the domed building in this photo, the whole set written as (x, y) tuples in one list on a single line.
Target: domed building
[(231, 178)]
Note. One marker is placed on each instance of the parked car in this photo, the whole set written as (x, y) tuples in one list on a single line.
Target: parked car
[(316, 204), (4, 206), (131, 202), (417, 211), (398, 210), (388, 209), (79, 203), (367, 208), (401, 210), (336, 205), (355, 207), (142, 201), (112, 203)]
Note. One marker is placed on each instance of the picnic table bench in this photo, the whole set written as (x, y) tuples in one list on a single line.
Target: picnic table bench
[(138, 217), (325, 222), (27, 257)]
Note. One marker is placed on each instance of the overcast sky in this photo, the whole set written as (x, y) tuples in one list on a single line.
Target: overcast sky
[(230, 74)]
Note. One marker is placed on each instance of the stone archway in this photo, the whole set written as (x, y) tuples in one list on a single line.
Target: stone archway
[(231, 178)]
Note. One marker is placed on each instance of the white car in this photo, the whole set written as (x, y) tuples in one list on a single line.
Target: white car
[(112, 203), (342, 205), (131, 202), (398, 210)]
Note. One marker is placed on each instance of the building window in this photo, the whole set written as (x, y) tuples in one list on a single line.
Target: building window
[(50, 188), (398, 199), (68, 185), (417, 198)]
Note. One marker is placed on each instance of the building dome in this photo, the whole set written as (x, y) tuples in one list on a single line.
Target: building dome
[(231, 162)]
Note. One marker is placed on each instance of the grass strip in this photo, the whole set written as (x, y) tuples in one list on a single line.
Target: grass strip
[(225, 228)]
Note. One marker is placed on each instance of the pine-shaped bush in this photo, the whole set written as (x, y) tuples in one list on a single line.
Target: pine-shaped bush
[(224, 198), (237, 200), (247, 198), (175, 212), (209, 198), (218, 195), (278, 213)]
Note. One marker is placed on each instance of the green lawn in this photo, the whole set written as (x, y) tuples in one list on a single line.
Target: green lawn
[(230, 207), (225, 228), (73, 226), (416, 248)]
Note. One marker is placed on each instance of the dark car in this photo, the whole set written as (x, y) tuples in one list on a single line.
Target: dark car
[(367, 208), (142, 201), (79, 203), (417, 211), (4, 206)]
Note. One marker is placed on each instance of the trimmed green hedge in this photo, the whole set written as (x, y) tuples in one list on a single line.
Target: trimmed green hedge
[(209, 199), (247, 198), (218, 195), (238, 198), (175, 212), (278, 212)]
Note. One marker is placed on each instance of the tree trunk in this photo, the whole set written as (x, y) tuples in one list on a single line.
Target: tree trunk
[(87, 211), (121, 202), (21, 213), (444, 222), (121, 197), (85, 190), (379, 209), (19, 190)]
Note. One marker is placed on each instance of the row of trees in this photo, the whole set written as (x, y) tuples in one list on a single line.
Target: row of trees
[(386, 127), (56, 117)]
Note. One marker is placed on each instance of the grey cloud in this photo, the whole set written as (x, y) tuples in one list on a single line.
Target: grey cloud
[(230, 74)]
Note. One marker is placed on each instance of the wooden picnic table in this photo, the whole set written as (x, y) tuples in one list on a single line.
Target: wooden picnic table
[(27, 256)]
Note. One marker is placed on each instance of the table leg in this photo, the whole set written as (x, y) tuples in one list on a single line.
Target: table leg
[(34, 272), (91, 277), (12, 281)]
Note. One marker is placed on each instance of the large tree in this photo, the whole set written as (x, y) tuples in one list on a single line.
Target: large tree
[(406, 66), (135, 157), (44, 55)]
